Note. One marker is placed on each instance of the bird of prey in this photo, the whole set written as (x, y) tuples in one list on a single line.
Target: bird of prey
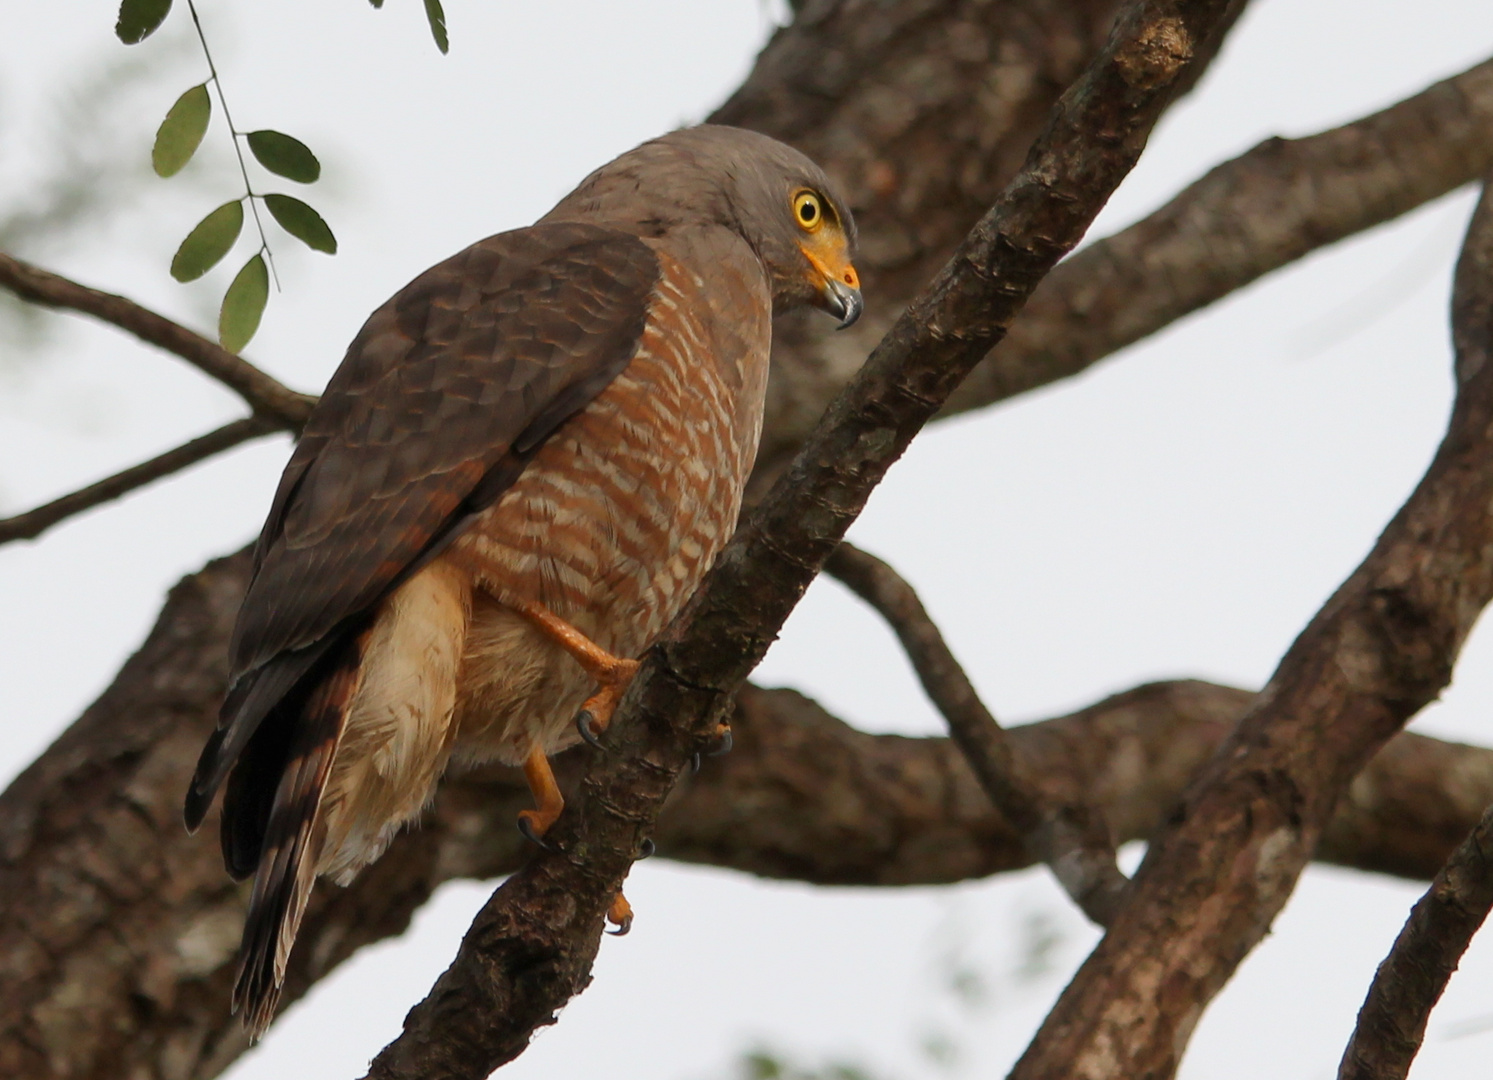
[(522, 468)]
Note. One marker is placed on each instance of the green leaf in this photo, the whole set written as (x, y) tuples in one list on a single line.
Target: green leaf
[(284, 156), (208, 242), (138, 19), (181, 132), (302, 222), (243, 305), (436, 15), (377, 3)]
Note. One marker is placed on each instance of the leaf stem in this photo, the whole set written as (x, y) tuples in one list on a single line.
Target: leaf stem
[(235, 134)]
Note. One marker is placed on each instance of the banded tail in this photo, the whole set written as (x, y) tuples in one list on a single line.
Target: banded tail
[(273, 828)]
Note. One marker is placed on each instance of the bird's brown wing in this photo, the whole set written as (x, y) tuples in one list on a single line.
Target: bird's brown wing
[(443, 396)]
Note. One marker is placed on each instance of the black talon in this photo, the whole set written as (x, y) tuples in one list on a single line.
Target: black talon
[(694, 762), (722, 746), (583, 725), (647, 848), (526, 827), (622, 930)]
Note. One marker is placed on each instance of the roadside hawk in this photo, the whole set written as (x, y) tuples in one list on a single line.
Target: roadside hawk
[(527, 460)]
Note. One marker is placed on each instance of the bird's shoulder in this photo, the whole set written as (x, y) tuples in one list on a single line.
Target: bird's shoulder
[(441, 396)]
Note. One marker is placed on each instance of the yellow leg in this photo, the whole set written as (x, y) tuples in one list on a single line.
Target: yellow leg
[(620, 916), (548, 802), (613, 673)]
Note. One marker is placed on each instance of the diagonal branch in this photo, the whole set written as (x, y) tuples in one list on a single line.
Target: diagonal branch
[(33, 523), (1392, 1023), (111, 907), (1269, 207), (1070, 836), (153, 1006), (1382, 647), (1245, 219), (531, 947), (265, 395)]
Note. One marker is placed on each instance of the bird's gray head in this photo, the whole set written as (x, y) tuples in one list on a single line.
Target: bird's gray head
[(776, 199)]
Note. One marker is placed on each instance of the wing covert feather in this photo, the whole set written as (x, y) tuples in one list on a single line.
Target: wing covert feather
[(494, 347)]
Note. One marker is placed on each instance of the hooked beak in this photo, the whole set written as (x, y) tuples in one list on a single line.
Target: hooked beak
[(839, 289), (841, 301)]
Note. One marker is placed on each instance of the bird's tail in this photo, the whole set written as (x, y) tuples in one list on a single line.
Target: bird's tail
[(289, 829)]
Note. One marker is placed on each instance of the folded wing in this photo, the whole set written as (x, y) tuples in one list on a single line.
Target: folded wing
[(442, 398)]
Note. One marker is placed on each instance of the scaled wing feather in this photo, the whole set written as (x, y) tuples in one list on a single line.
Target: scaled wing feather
[(442, 396)]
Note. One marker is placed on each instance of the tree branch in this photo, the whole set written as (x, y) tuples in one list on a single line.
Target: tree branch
[(33, 523), (1276, 203), (1408, 984), (922, 112), (266, 396), (531, 947), (1392, 1023), (147, 995), (1246, 218), (970, 116), (1071, 837), (1382, 647), (111, 908)]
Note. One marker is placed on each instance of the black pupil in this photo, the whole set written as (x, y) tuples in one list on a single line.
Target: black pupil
[(808, 211)]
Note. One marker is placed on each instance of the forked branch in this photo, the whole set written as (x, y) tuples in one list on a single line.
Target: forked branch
[(873, 811), (275, 406), (1072, 838), (1245, 219)]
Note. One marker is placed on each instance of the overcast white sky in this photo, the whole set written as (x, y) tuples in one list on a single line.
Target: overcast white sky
[(1182, 510)]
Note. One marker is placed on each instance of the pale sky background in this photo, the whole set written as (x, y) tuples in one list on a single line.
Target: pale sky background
[(1181, 510)]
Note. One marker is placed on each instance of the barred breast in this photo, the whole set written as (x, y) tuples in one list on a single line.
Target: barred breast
[(613, 523)]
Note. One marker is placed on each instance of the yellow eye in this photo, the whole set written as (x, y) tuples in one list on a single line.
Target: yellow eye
[(808, 211)]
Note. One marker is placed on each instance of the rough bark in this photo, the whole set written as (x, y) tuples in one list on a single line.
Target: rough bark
[(1244, 219), (1380, 649), (1392, 1023), (1408, 984), (118, 931), (530, 948), (922, 112), (149, 997)]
